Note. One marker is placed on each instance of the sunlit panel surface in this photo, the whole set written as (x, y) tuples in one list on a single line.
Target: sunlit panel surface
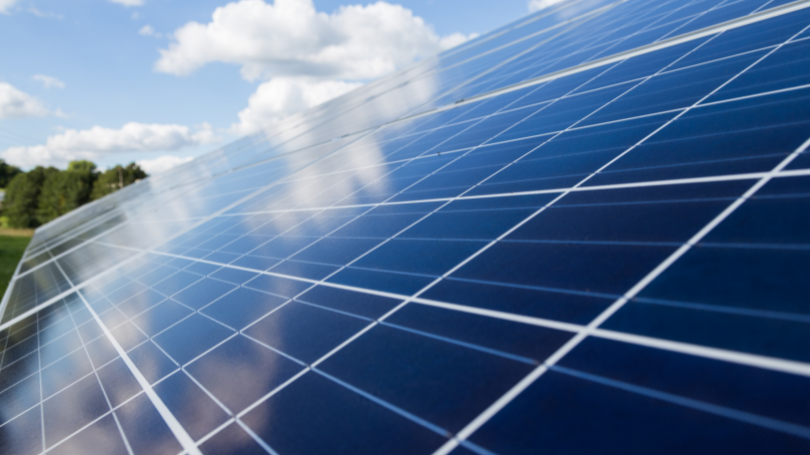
[(585, 232)]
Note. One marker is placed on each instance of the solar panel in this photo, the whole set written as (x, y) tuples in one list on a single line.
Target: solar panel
[(584, 232)]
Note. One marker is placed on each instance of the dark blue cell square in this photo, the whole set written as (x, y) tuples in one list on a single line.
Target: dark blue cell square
[(191, 337), (527, 343), (766, 220), (204, 292), (402, 368), (141, 302), (242, 307), (430, 257), (305, 332), (23, 435), (758, 391), (62, 417), (153, 364), (765, 279), (103, 436), (240, 371), (176, 283), (336, 251), (564, 414), (359, 303), (160, 317), (231, 440), (639, 222), (279, 286), (146, 431), (314, 415), (192, 407), (766, 336), (591, 268)]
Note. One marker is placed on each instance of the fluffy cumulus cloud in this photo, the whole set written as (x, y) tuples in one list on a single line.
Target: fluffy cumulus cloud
[(537, 5), (95, 142), (49, 81), (305, 57), (290, 38), (17, 104), (162, 163), (282, 96)]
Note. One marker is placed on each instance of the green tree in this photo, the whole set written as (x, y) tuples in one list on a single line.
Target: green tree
[(22, 197), (66, 190), (116, 178), (7, 172), (81, 166)]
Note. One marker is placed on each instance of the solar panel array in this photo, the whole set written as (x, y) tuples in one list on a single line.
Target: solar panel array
[(585, 232)]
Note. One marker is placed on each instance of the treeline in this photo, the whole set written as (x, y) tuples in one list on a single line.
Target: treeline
[(35, 197)]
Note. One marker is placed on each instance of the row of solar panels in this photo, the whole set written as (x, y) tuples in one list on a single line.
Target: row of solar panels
[(607, 257)]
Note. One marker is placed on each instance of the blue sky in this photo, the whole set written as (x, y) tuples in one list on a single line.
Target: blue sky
[(87, 78)]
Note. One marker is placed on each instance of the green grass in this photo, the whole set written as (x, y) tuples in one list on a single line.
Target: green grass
[(11, 251)]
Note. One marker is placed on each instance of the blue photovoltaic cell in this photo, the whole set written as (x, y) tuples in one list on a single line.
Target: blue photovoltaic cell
[(584, 232)]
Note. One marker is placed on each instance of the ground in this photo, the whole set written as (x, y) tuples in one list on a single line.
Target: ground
[(12, 246)]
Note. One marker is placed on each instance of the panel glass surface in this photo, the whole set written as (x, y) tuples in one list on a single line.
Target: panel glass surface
[(585, 232)]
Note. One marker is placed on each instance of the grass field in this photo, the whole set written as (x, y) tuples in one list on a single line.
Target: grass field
[(12, 246)]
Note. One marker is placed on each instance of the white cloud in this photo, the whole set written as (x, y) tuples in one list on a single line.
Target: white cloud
[(17, 104), (290, 38), (147, 30), (49, 81), (127, 2), (5, 5), (92, 143), (537, 5), (282, 96), (162, 163)]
